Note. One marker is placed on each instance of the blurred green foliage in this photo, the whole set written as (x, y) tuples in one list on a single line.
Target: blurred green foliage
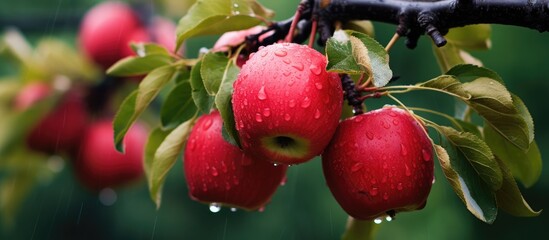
[(304, 208)]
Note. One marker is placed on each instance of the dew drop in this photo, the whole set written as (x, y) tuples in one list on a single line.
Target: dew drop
[(306, 102), (403, 150), (386, 125), (193, 144), (407, 171), (245, 102), (385, 196), (378, 220), (233, 209), (286, 60), (281, 53), (235, 5), (263, 53), (258, 118), (266, 112), (214, 172), (433, 182), (374, 191), (318, 85), (291, 103), (369, 135), (287, 117), (315, 69), (388, 218), (215, 207), (426, 155), (395, 122), (298, 66), (392, 113), (207, 124), (399, 186), (241, 124), (317, 114), (357, 119), (204, 187), (261, 95), (356, 167)]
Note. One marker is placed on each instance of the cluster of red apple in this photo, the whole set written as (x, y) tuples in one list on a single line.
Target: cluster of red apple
[(67, 130), (105, 36), (287, 110)]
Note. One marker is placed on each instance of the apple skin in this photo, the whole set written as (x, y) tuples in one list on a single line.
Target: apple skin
[(218, 172), (60, 129), (98, 165), (379, 163), (105, 30), (286, 106)]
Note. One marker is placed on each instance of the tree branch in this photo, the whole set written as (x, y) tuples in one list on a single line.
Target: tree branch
[(415, 18)]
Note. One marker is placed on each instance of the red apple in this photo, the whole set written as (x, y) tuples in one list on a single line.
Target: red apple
[(286, 106), (60, 129), (218, 172), (105, 30), (98, 165), (379, 163)]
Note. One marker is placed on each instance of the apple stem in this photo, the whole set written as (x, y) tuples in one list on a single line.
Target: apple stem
[(360, 229), (351, 94), (300, 8), (313, 33)]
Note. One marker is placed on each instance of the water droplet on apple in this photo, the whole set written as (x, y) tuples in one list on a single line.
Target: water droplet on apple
[(214, 172), (193, 144), (385, 196), (283, 181), (426, 155), (261, 95), (291, 103), (358, 119), (240, 124), (306, 102), (233, 209), (399, 186), (317, 114), (356, 167), (280, 53), (374, 191), (245, 102), (318, 85), (286, 60), (403, 150), (392, 113), (316, 70), (287, 117), (215, 207), (207, 124), (298, 66), (275, 164), (395, 122), (378, 220), (204, 187), (389, 218), (433, 182), (407, 170), (386, 125), (266, 112), (263, 53), (369, 135), (258, 118)]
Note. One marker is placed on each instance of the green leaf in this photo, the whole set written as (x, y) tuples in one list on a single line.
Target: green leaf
[(477, 196), (165, 157), (469, 72), (379, 59), (471, 37), (219, 16), (178, 106), (224, 104), (135, 66), (525, 166), (362, 26), (509, 197), (139, 100), (491, 100), (447, 83), (201, 98), (356, 53), (156, 137), (470, 148), (213, 69), (142, 49)]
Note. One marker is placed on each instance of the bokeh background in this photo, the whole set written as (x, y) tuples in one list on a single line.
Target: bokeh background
[(60, 208)]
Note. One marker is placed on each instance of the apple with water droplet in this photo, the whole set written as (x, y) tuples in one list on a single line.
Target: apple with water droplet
[(98, 165), (105, 30), (60, 129), (379, 163), (220, 173), (286, 106)]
